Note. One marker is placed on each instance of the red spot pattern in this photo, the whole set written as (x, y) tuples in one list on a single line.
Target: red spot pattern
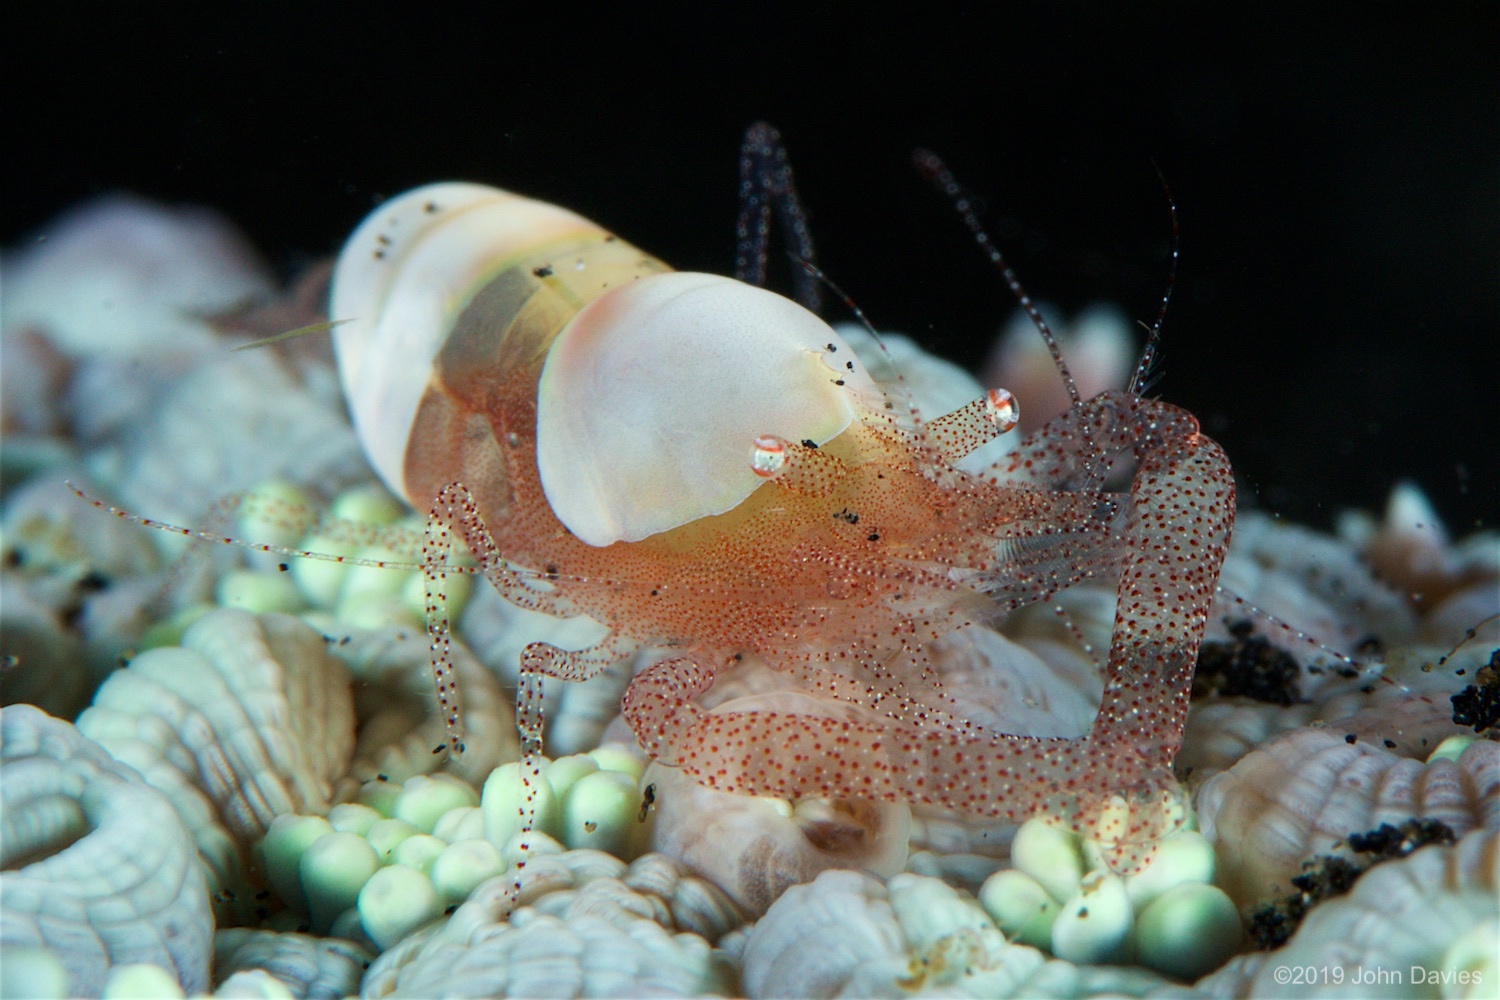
[(839, 573)]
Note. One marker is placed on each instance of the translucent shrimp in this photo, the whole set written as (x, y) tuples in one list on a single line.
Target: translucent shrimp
[(702, 465)]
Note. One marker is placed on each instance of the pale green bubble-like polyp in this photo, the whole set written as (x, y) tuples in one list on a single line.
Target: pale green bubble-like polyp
[(1188, 931), (600, 811), (651, 397), (1186, 856), (424, 799), (1477, 952), (387, 834), (1094, 926), (333, 870), (462, 866), (1020, 907), (463, 823), (418, 852), (1051, 855), (561, 773), (1452, 748), (28, 971), (353, 817), (287, 840), (618, 757), (259, 592), (506, 796), (395, 901)]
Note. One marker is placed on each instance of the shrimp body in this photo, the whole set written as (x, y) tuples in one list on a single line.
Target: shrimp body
[(701, 465)]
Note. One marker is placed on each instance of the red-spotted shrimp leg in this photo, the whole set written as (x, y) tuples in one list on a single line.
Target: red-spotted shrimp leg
[(1114, 784), (454, 511), (1182, 511)]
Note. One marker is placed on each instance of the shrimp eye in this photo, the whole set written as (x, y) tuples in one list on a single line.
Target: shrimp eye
[(767, 456), (1002, 409)]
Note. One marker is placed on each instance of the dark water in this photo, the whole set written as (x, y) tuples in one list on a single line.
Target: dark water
[(1336, 316)]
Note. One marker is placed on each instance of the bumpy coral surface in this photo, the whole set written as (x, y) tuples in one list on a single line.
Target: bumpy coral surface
[(255, 798), (99, 871)]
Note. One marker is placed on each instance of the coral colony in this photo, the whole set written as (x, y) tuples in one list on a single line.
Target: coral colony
[(788, 635)]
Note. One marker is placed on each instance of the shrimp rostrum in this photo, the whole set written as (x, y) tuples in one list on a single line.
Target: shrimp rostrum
[(705, 466)]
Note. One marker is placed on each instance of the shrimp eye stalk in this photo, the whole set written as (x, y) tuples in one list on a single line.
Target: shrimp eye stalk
[(975, 424)]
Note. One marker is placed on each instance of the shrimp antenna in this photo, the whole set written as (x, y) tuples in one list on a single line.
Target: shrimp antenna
[(766, 179), (933, 168), (249, 545), (320, 327), (822, 277), (1470, 634), (1139, 382), (818, 273)]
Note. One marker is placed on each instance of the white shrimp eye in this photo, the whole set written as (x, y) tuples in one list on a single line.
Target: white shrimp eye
[(1002, 409), (767, 456), (648, 396)]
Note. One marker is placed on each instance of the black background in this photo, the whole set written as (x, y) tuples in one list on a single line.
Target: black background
[(1337, 176)]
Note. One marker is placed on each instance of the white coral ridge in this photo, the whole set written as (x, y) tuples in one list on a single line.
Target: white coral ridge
[(399, 719), (315, 968), (1425, 925), (587, 925), (755, 847), (98, 869), (916, 935), (122, 275), (1169, 917), (247, 720), (1302, 793)]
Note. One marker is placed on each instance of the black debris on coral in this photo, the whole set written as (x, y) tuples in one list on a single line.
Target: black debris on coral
[(1386, 842), (1247, 666), (1478, 705), (1273, 923)]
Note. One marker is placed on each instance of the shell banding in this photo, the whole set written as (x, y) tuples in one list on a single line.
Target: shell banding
[(648, 385)]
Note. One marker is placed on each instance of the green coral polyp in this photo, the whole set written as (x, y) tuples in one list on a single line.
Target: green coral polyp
[(1020, 907), (286, 841), (418, 852), (388, 834), (395, 901), (353, 817), (1093, 927), (406, 852), (259, 592), (331, 592), (424, 800), (333, 870), (1187, 931), (1169, 917), (462, 866), (584, 800)]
